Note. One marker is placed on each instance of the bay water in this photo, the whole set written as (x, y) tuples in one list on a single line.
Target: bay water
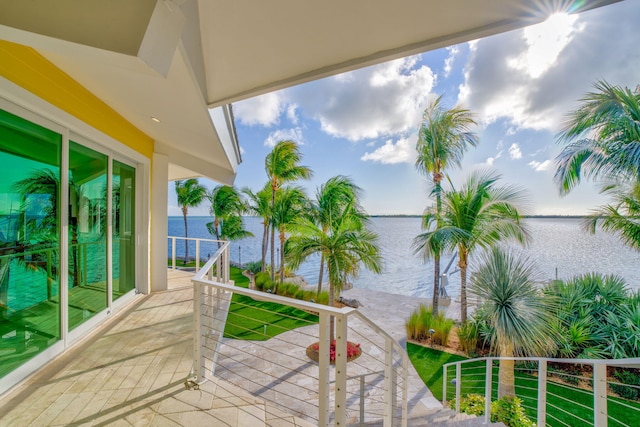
[(559, 247)]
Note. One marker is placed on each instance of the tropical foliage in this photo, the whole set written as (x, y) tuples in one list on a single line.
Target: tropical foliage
[(443, 138), (282, 166), (291, 203), (259, 205), (226, 209), (602, 142), (190, 193), (516, 313), (478, 215)]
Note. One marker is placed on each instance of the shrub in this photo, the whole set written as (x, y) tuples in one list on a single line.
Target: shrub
[(253, 267), (422, 320), (627, 379), (509, 411), (468, 336), (323, 298), (261, 280)]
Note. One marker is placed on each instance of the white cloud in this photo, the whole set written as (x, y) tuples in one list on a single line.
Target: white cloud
[(373, 102), (262, 110), (284, 134), (535, 76), (540, 166), (291, 113), (448, 62), (514, 151), (402, 151)]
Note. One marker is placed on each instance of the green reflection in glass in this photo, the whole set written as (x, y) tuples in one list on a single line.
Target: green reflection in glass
[(123, 242), (29, 240), (87, 233)]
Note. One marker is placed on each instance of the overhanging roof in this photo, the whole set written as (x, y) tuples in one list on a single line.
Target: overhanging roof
[(170, 59)]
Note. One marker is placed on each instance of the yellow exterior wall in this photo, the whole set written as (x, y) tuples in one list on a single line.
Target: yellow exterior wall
[(27, 68)]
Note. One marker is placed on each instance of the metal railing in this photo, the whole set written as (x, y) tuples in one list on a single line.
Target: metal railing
[(554, 392), (201, 246), (264, 343)]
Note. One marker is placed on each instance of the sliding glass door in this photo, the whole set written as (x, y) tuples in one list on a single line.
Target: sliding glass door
[(29, 240), (123, 232)]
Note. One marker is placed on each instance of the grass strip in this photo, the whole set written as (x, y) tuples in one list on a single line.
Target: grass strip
[(247, 317)]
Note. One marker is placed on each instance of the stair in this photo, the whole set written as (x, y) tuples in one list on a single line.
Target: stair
[(448, 418)]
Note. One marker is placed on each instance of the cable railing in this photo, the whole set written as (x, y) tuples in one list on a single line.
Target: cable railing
[(199, 246), (554, 392), (279, 350)]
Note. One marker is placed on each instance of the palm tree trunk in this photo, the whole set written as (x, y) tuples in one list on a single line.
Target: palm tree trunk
[(463, 284), (436, 259), (321, 273), (216, 223), (186, 235), (273, 205), (265, 244), (506, 373), (436, 283), (282, 256)]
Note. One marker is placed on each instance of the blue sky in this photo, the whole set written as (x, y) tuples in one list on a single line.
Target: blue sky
[(520, 86)]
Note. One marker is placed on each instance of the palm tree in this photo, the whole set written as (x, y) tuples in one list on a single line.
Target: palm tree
[(332, 198), (480, 214), (601, 138), (190, 194), (291, 203), (516, 312), (619, 217), (443, 138), (259, 205), (226, 209), (347, 245), (281, 165)]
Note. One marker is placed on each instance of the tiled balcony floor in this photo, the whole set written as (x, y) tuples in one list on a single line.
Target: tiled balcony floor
[(132, 373)]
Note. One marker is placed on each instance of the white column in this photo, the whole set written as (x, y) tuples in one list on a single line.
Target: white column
[(159, 222)]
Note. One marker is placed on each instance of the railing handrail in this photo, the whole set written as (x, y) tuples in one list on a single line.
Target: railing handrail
[(202, 239), (624, 363), (199, 276), (263, 296)]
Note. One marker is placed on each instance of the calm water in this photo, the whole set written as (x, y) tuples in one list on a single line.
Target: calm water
[(559, 247)]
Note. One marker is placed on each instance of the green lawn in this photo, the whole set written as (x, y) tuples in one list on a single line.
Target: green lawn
[(247, 317), (562, 399)]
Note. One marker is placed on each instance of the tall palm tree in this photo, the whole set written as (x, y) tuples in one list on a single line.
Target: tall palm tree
[(259, 204), (291, 203), (190, 193), (601, 138), (282, 166), (515, 310), (443, 138), (332, 199), (226, 206), (479, 215), (345, 247)]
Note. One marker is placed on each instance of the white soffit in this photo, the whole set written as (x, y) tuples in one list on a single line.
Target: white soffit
[(256, 46)]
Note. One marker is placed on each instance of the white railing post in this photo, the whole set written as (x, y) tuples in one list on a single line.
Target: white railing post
[(324, 366), (405, 397), (458, 381), (389, 388), (197, 255), (600, 416), (488, 386), (444, 384), (542, 393), (227, 264), (173, 253), (361, 400), (197, 332), (341, 371)]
